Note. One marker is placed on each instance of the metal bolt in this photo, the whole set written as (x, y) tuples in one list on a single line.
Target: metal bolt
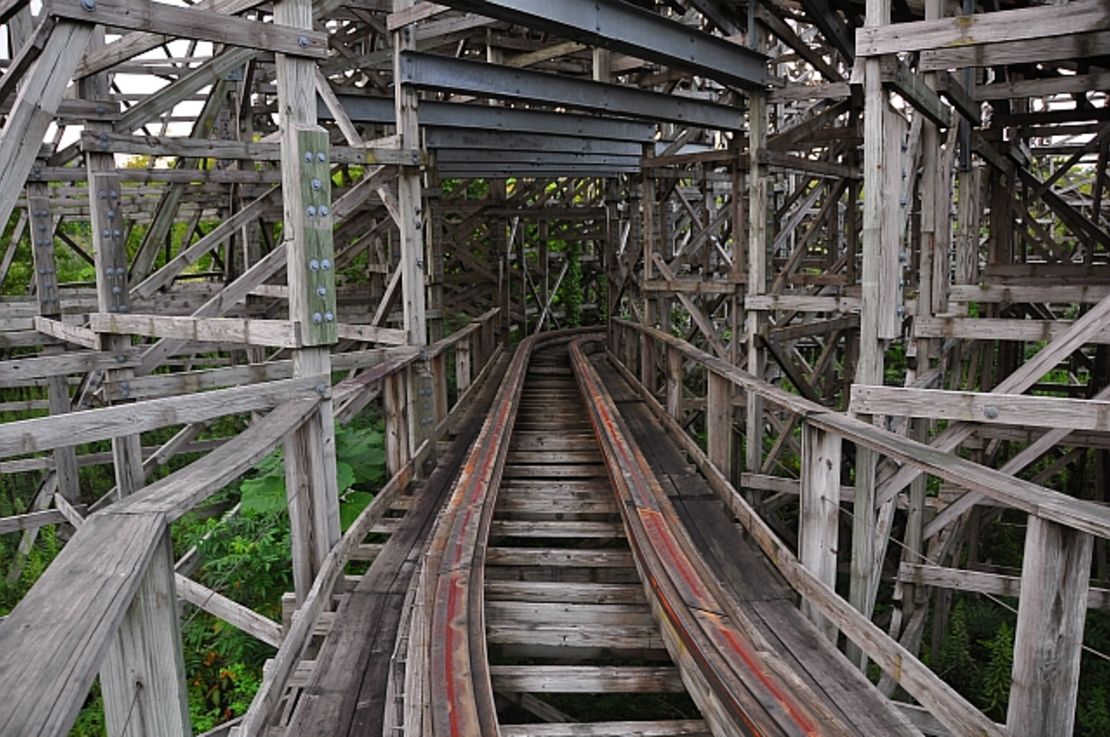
[(322, 389), (420, 263), (111, 214), (107, 233), (311, 210), (114, 194), (121, 358), (314, 265), (321, 157), (302, 41), (117, 232), (990, 412), (325, 264), (321, 291), (323, 210), (329, 317), (315, 183), (317, 318), (89, 5), (308, 157), (116, 290)]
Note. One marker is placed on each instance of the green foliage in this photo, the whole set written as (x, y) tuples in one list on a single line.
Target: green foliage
[(994, 691)]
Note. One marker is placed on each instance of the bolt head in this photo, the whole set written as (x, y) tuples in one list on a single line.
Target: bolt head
[(311, 211), (89, 5), (314, 265), (302, 41), (324, 209), (317, 318), (308, 157), (320, 157), (321, 291), (325, 264), (316, 184), (329, 317)]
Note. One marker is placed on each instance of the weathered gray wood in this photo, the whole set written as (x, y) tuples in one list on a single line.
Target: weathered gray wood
[(982, 582), (235, 614), (137, 15), (143, 674), (1004, 409), (1049, 636), (54, 639), (819, 522), (47, 433), (983, 28)]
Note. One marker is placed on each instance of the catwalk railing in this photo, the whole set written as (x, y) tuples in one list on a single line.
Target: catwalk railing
[(111, 590), (1059, 540)]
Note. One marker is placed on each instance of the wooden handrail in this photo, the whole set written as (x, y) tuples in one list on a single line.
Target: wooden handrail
[(1031, 498)]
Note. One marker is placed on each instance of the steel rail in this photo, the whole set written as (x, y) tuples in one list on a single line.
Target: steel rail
[(704, 631), (460, 690)]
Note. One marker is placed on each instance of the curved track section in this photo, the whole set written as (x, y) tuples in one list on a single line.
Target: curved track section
[(722, 660)]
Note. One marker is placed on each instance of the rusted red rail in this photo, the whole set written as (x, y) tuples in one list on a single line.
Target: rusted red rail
[(734, 689)]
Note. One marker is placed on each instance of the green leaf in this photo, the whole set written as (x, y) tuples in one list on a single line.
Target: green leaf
[(344, 476), (352, 505), (263, 495)]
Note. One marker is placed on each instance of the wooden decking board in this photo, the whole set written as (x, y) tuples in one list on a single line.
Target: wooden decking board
[(346, 693)]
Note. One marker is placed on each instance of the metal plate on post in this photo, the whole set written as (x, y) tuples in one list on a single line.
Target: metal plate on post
[(108, 238), (314, 172)]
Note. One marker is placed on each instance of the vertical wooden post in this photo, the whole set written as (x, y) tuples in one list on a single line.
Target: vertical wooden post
[(718, 422), (1048, 641), (819, 526), (46, 290), (462, 365), (674, 383), (143, 674), (396, 422), (105, 205), (310, 483), (758, 121), (869, 367)]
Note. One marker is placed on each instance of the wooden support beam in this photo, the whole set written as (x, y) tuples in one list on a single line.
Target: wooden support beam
[(276, 333), (982, 582), (990, 407), (1048, 640), (819, 519), (1080, 332), (156, 17), (903, 80), (36, 102), (970, 31)]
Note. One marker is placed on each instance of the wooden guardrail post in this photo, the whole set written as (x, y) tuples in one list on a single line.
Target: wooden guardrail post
[(818, 526), (674, 383), (718, 422), (394, 399), (1048, 641), (143, 673), (463, 364)]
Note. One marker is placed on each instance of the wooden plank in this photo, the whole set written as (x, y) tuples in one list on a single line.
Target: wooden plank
[(802, 303), (919, 681), (585, 679), (235, 614), (982, 582), (86, 426), (1054, 580), (970, 31), (67, 333), (54, 639), (31, 520), (1003, 409), (819, 520), (142, 677), (676, 728), (996, 328), (175, 495), (36, 102), (276, 333), (1037, 51), (136, 15), (22, 371)]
